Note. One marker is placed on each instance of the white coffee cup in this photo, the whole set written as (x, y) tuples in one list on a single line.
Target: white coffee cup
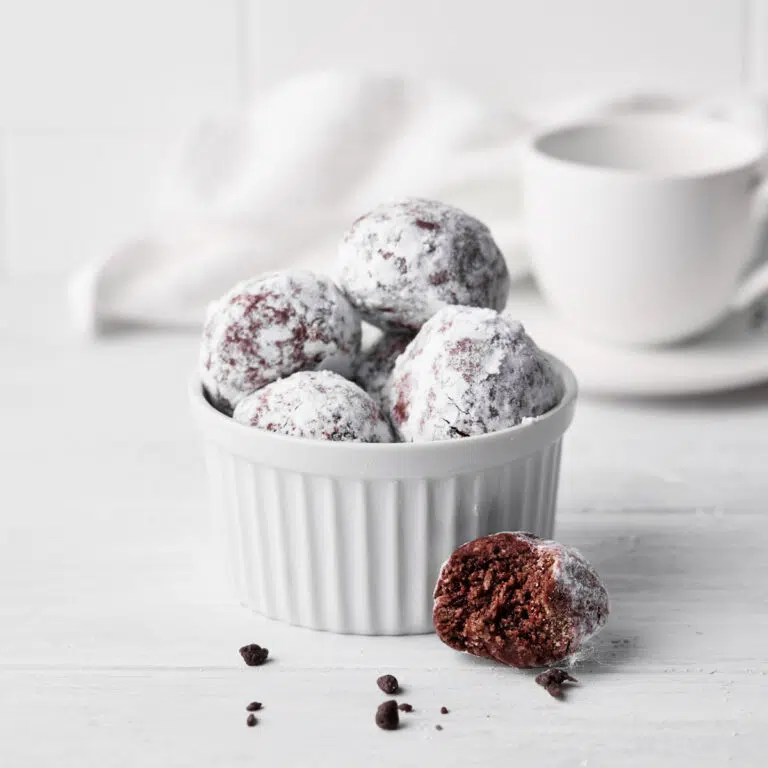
[(641, 228)]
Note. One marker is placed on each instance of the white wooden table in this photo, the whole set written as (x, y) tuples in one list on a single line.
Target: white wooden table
[(118, 645)]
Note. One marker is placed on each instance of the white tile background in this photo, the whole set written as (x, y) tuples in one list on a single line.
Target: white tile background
[(93, 91)]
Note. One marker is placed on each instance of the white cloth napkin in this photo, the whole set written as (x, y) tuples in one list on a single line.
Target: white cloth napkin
[(277, 184)]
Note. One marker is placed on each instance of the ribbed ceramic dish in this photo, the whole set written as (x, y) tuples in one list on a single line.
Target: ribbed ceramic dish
[(350, 537)]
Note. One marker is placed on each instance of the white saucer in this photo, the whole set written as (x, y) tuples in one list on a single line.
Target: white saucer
[(732, 356)]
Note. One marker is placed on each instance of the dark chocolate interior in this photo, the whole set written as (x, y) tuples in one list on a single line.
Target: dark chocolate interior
[(496, 598)]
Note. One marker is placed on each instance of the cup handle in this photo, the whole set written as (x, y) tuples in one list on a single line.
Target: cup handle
[(754, 284)]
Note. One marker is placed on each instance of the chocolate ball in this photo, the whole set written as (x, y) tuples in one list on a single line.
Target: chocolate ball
[(375, 364), (469, 371), (320, 405), (272, 326), (518, 599), (403, 261)]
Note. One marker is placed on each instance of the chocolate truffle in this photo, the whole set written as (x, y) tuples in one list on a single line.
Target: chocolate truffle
[(316, 404), (272, 326), (403, 261), (518, 599), (469, 371), (375, 363)]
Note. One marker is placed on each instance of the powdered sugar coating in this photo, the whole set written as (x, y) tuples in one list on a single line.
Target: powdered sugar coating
[(469, 371), (578, 585), (403, 261), (320, 405), (576, 591), (375, 364), (272, 326)]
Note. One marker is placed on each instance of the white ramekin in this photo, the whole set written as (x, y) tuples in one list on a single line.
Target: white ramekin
[(350, 537)]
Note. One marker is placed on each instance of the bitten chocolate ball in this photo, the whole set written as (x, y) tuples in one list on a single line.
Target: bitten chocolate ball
[(518, 599), (316, 404), (403, 261), (375, 363), (272, 326), (469, 371)]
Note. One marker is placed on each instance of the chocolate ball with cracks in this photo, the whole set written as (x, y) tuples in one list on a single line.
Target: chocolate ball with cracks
[(403, 261), (272, 326)]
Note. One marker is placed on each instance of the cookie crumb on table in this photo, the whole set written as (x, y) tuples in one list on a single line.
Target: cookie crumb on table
[(552, 681), (254, 655), (387, 717), (443, 710), (251, 721), (254, 706), (388, 684), (405, 707)]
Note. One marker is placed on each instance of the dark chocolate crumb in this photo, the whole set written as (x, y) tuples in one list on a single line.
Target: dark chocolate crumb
[(405, 707), (552, 681), (251, 721), (387, 717), (388, 684), (254, 655), (443, 710), (438, 727), (254, 706)]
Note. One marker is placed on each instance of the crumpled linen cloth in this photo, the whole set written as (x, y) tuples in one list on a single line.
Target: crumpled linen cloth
[(277, 184)]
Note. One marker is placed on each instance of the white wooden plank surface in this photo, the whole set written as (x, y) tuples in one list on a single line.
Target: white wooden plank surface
[(118, 646), (507, 50), (170, 718)]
